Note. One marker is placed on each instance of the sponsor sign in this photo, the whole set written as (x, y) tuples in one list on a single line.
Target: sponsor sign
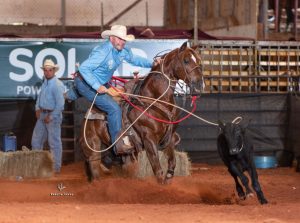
[(21, 61)]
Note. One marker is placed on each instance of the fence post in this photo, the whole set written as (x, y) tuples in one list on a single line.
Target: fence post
[(196, 23), (63, 15)]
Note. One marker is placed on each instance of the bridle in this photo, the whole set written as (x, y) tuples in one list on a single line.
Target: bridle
[(187, 73)]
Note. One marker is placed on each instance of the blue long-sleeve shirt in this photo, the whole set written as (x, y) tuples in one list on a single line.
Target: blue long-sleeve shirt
[(103, 62), (51, 96)]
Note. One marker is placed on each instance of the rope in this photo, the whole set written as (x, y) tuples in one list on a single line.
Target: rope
[(155, 118), (158, 99), (164, 102)]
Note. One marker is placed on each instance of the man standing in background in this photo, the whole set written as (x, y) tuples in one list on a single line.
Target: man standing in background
[(48, 109)]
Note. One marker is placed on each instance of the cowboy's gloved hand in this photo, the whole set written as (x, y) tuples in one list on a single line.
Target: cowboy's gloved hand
[(37, 114), (102, 89)]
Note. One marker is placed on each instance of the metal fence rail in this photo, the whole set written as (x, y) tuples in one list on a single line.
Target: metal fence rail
[(247, 66)]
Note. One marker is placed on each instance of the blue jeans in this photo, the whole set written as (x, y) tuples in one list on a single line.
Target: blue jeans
[(105, 103), (52, 132), (72, 94)]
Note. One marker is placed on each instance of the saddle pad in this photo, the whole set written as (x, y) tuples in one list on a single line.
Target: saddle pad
[(93, 116)]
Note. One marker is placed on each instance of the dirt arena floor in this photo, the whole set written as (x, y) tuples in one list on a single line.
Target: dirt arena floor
[(208, 195)]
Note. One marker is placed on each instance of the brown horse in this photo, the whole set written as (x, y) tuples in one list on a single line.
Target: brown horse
[(146, 133)]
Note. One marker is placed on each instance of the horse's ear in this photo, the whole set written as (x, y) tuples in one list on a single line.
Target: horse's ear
[(221, 124), (183, 46), (196, 47)]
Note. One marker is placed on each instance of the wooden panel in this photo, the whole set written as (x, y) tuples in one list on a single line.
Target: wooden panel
[(228, 51), (185, 6), (171, 12), (279, 52), (226, 8), (244, 83), (279, 63), (226, 63), (212, 73)]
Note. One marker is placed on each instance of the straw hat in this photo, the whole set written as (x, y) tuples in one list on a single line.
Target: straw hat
[(118, 31), (48, 63)]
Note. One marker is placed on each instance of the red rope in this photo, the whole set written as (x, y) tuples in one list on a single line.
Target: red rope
[(157, 119), (119, 79)]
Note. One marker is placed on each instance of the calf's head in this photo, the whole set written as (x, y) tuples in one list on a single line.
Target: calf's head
[(233, 133)]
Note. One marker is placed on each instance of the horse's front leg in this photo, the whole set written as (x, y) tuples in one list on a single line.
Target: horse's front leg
[(170, 151), (152, 154)]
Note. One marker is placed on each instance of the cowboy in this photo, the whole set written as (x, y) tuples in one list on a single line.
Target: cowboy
[(48, 110), (97, 70)]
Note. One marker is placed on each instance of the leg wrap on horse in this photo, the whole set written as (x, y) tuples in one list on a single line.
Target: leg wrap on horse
[(170, 174)]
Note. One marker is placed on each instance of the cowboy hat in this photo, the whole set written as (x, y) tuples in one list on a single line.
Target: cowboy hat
[(48, 63), (118, 31)]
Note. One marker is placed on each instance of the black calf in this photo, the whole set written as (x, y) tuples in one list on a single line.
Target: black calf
[(236, 151)]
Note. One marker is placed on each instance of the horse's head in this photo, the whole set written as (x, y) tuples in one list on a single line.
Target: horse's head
[(188, 68)]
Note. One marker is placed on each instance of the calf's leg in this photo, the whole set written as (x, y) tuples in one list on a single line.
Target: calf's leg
[(237, 172), (238, 186), (256, 185)]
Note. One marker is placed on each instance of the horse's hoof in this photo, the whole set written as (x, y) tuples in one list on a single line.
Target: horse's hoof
[(250, 195), (263, 201), (168, 181), (242, 197), (160, 180)]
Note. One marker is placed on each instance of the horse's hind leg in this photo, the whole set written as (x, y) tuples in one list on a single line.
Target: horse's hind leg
[(94, 163), (91, 170), (88, 171)]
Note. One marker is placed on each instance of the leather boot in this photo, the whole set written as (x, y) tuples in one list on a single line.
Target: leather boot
[(124, 146)]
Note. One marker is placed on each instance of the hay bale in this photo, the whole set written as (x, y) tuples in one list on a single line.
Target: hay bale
[(32, 164), (183, 164)]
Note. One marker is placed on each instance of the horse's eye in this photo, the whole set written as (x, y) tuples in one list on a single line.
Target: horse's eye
[(186, 60)]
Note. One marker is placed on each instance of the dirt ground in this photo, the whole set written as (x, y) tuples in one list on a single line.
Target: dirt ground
[(208, 195)]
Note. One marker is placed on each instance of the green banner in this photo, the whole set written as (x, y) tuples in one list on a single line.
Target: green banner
[(21, 61)]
